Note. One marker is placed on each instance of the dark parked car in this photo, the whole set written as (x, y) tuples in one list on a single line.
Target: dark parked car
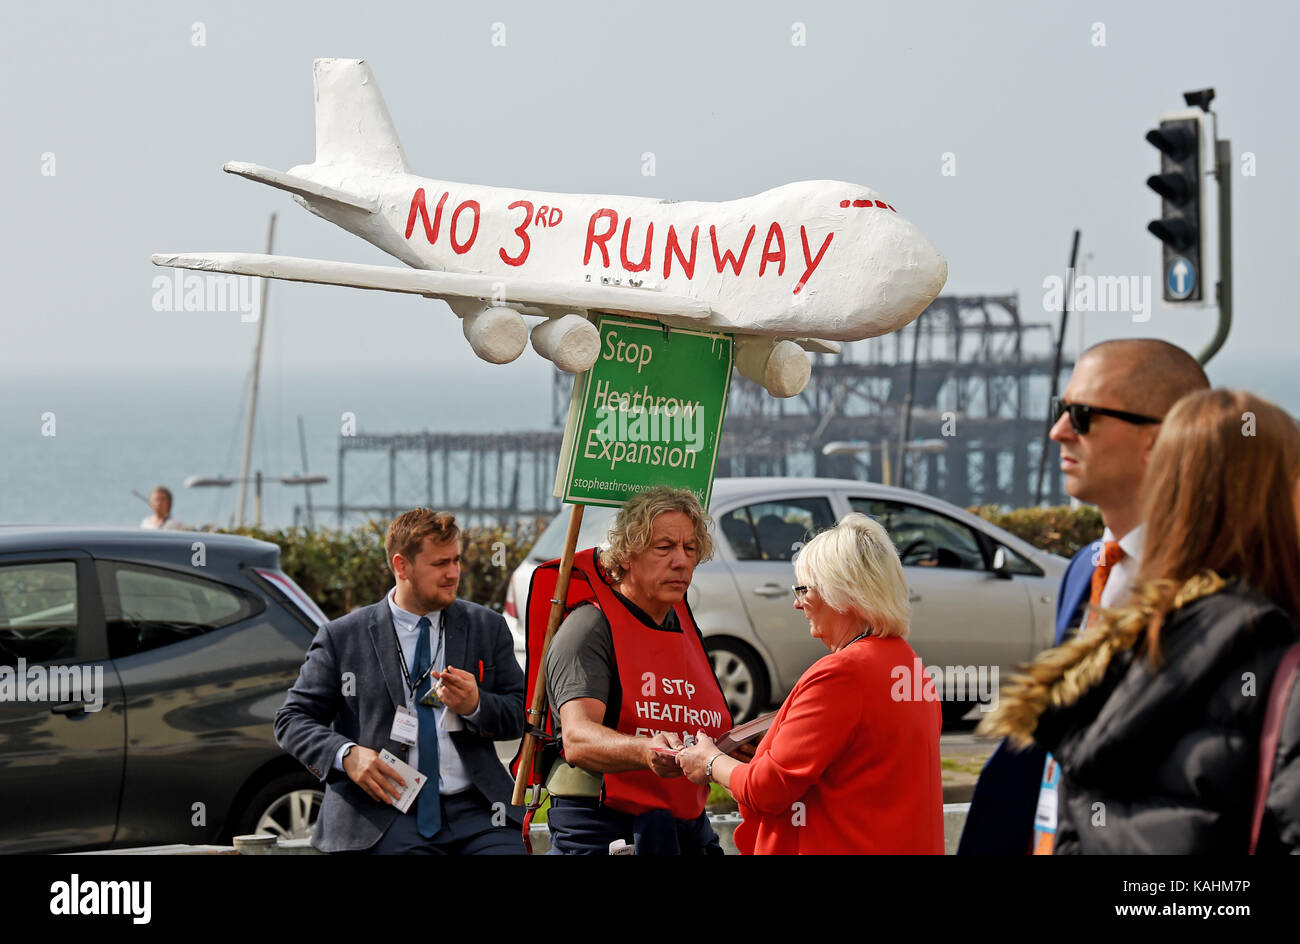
[(140, 672)]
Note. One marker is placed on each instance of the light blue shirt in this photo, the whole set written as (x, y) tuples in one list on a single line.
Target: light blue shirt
[(452, 776)]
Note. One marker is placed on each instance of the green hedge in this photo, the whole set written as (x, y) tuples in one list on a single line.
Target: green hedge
[(1059, 529), (344, 570)]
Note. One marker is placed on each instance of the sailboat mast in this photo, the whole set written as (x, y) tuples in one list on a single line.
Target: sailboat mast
[(252, 399)]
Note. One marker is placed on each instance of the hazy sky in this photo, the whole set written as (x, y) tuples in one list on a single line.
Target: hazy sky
[(1044, 126)]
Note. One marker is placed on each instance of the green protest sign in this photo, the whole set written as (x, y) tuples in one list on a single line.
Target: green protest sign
[(648, 412)]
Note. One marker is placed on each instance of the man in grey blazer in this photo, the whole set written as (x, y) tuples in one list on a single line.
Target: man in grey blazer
[(431, 678)]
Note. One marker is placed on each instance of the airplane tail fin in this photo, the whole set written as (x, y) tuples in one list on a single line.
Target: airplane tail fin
[(352, 122)]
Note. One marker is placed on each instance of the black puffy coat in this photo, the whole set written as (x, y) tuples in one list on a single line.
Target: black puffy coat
[(1166, 760)]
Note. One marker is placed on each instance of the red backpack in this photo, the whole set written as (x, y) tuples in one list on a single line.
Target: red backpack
[(535, 614)]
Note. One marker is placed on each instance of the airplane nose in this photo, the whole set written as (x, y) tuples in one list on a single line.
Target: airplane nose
[(905, 272)]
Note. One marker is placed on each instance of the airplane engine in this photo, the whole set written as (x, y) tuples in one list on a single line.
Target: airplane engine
[(497, 335), (570, 342), (782, 367)]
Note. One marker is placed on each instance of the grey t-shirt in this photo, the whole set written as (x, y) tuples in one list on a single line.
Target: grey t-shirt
[(580, 662)]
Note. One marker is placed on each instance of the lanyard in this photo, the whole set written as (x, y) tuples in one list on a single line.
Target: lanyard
[(861, 635), (433, 658)]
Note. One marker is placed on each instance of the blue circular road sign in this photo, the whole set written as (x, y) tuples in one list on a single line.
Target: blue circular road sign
[(1180, 278)]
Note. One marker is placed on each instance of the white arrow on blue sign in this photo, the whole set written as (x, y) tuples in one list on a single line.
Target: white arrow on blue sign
[(1180, 278)]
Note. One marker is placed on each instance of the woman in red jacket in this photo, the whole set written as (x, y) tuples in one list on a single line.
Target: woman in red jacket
[(851, 764)]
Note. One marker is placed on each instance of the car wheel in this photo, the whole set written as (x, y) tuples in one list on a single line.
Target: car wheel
[(741, 676), (286, 807)]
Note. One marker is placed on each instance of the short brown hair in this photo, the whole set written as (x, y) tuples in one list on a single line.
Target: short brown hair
[(634, 526), (408, 530)]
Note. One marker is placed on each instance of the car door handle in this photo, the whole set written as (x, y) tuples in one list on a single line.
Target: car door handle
[(913, 596), (771, 590), (69, 708)]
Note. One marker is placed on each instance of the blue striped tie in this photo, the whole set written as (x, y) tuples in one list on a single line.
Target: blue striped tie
[(428, 812)]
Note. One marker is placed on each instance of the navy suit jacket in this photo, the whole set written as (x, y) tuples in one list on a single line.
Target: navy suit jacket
[(349, 688), (1001, 817)]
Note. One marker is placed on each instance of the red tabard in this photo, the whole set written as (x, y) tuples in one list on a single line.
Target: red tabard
[(668, 685)]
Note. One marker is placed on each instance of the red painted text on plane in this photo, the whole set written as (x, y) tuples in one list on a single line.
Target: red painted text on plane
[(640, 245)]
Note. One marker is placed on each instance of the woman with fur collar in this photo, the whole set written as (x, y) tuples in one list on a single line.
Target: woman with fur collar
[(1154, 712)]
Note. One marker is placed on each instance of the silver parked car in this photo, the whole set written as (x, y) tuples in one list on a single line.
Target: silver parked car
[(981, 597)]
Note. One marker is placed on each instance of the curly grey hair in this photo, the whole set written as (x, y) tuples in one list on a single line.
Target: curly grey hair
[(632, 529)]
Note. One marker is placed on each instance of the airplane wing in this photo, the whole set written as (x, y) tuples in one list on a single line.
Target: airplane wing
[(453, 285)]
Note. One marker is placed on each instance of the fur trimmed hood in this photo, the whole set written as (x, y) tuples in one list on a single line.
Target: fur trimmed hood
[(1164, 757), (1071, 674)]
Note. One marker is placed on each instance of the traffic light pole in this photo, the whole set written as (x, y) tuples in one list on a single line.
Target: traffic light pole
[(1223, 172)]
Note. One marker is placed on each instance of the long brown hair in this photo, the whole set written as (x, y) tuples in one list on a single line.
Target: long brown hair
[(1218, 502), (1219, 496)]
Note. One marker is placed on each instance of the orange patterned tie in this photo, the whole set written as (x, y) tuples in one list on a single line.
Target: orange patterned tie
[(1111, 554)]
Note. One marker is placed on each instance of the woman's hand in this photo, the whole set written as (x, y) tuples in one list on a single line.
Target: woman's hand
[(695, 760)]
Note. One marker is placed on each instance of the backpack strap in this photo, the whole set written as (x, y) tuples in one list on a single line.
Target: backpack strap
[(1283, 682)]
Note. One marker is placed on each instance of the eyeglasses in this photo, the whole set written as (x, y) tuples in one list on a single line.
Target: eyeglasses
[(1081, 415), (802, 591)]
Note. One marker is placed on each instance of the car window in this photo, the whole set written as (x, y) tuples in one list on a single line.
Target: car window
[(145, 607), (596, 521), (775, 530), (924, 538), (38, 612)]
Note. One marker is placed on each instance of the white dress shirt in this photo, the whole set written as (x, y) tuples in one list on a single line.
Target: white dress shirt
[(452, 776)]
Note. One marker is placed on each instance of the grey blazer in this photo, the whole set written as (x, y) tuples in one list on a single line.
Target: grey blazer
[(349, 688)]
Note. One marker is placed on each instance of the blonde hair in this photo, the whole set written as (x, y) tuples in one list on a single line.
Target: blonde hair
[(1060, 676), (856, 569), (634, 527)]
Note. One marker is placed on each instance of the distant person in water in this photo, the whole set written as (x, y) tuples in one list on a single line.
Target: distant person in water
[(160, 500)]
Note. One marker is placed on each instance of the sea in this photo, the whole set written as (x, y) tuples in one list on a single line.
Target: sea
[(75, 446)]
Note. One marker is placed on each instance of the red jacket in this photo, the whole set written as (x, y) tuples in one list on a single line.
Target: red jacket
[(851, 764)]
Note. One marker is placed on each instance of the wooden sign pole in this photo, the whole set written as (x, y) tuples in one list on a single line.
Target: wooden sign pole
[(537, 711)]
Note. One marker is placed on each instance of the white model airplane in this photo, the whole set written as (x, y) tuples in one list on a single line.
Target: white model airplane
[(790, 270)]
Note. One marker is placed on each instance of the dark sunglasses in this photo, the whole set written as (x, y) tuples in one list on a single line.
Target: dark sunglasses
[(1081, 415)]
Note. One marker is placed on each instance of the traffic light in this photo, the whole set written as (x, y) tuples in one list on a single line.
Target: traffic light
[(1179, 228)]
